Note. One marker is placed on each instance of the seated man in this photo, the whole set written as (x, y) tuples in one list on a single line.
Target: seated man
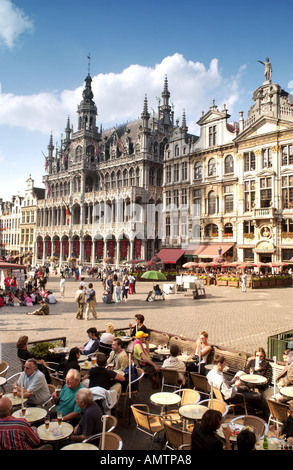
[(50, 299), (93, 344), (16, 433), (173, 362), (101, 377), (284, 379), (232, 393), (91, 416), (43, 310), (287, 428), (118, 357), (246, 440), (66, 403), (141, 355), (35, 387)]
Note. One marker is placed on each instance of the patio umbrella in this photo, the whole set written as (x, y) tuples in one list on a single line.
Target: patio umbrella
[(190, 264), (144, 264), (154, 275), (276, 265), (235, 264), (246, 265), (131, 262), (260, 265)]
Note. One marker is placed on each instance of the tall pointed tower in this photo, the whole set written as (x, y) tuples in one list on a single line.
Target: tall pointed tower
[(87, 109)]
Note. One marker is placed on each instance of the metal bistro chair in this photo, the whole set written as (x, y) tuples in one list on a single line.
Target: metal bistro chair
[(146, 422), (232, 406), (175, 436), (201, 383), (4, 366), (170, 378), (188, 397), (218, 405), (279, 412), (140, 374), (255, 421), (112, 441)]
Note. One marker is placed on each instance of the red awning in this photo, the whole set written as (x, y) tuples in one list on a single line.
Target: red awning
[(4, 265), (170, 255), (209, 250)]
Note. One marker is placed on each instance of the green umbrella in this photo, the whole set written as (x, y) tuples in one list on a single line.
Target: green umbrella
[(154, 275)]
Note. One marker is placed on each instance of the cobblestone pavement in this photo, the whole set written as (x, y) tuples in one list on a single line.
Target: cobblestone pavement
[(231, 317)]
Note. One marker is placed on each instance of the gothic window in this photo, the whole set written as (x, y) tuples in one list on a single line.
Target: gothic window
[(197, 171), (90, 152), (125, 178), (176, 198), (229, 164), (137, 177), (212, 202), (119, 179), (132, 177), (212, 167), (211, 230), (159, 178), (107, 181), (168, 174), (78, 153), (151, 177), (113, 180), (61, 189), (176, 150)]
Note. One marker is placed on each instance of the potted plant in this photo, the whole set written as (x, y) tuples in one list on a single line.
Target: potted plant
[(222, 281), (233, 281), (264, 282), (272, 281)]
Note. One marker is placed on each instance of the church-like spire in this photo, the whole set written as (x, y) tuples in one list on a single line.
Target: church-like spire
[(184, 127)]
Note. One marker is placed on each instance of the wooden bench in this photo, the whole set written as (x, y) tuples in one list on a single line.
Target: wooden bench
[(235, 360)]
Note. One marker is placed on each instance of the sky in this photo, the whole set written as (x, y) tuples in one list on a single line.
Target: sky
[(207, 49)]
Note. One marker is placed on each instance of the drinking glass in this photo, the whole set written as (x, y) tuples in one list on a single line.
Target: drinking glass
[(59, 419), (47, 422)]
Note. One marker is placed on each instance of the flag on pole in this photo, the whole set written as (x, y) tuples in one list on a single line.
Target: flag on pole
[(67, 212), (119, 143)]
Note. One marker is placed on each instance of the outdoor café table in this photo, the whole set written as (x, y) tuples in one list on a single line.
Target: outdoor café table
[(185, 358), (33, 414), (16, 401), (2, 382), (235, 428), (52, 435), (164, 399), (80, 446), (192, 411), (162, 351), (287, 391), (253, 380)]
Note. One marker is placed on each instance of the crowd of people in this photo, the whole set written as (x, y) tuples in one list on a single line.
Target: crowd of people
[(32, 293)]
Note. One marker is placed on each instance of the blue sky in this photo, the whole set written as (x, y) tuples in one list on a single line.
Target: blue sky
[(209, 50)]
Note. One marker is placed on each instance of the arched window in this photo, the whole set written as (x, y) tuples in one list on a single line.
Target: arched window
[(229, 164), (78, 153), (212, 202), (132, 177), (212, 167), (113, 180), (228, 230), (137, 177), (125, 178), (176, 150), (198, 171), (211, 230), (152, 177)]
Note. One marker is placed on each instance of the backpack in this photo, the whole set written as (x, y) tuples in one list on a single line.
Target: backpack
[(78, 297)]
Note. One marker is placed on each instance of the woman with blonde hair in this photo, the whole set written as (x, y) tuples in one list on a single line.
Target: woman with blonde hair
[(106, 340)]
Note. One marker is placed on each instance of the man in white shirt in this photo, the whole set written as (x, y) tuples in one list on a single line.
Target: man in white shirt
[(35, 387), (51, 299), (173, 362), (118, 356), (234, 393)]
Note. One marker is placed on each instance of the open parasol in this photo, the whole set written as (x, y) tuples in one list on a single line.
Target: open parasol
[(190, 264)]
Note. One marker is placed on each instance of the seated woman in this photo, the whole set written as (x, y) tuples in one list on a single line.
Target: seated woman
[(204, 435), (92, 344), (259, 365), (157, 290), (139, 326), (70, 363), (200, 354), (106, 340)]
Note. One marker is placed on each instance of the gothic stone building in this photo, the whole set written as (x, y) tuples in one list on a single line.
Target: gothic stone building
[(99, 186)]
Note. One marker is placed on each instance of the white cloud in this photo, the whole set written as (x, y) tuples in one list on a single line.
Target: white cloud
[(119, 96), (13, 22)]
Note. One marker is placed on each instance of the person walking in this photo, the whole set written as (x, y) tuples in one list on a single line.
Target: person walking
[(90, 302), (62, 286), (80, 300), (244, 281)]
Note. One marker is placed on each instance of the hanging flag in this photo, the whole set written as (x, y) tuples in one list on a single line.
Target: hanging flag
[(67, 212), (119, 143)]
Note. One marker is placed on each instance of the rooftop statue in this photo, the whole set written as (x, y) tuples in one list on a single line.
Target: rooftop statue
[(268, 69)]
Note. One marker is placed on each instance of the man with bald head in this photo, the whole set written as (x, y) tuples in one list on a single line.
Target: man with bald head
[(16, 433), (91, 416)]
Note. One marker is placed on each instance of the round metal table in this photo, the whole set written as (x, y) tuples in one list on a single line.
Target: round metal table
[(55, 433), (165, 399), (287, 391), (80, 446), (32, 415)]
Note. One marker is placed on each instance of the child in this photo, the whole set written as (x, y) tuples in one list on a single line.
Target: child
[(118, 292)]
